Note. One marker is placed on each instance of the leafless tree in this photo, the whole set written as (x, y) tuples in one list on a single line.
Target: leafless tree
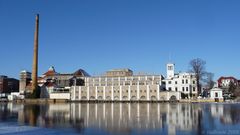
[(197, 66), (208, 79)]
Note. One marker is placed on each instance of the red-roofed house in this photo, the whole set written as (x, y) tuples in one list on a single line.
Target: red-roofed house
[(51, 72), (225, 81)]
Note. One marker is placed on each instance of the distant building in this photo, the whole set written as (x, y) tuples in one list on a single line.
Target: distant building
[(122, 85), (223, 82), (119, 72), (216, 94), (52, 81), (3, 84), (64, 80), (55, 85), (8, 85), (25, 80), (181, 82)]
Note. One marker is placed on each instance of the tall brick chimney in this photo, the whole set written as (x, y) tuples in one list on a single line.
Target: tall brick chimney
[(35, 57)]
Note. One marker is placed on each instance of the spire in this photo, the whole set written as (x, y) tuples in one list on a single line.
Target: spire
[(35, 56)]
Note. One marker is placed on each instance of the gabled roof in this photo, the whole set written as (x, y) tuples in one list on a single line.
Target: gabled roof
[(80, 72), (229, 77), (216, 89), (51, 72)]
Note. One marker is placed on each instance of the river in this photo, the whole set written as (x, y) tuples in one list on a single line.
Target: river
[(120, 118)]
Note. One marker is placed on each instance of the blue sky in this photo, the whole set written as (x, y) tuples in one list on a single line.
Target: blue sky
[(98, 35)]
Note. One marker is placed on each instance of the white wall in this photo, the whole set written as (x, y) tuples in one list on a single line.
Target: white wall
[(212, 94), (60, 96)]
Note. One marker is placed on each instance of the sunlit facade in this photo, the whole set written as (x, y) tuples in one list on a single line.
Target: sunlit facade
[(183, 82)]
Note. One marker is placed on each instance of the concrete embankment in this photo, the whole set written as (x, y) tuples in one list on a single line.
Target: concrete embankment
[(66, 101), (40, 101), (200, 101)]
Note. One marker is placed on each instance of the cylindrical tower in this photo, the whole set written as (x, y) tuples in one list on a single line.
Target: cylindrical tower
[(35, 57)]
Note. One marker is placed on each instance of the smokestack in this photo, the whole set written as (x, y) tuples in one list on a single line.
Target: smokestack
[(35, 57)]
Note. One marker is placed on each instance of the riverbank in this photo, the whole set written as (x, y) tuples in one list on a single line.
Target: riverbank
[(96, 101), (201, 101)]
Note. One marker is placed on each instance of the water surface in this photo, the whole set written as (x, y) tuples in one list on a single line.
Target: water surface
[(120, 118)]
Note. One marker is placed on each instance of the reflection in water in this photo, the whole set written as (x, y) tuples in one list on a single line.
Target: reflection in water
[(125, 118)]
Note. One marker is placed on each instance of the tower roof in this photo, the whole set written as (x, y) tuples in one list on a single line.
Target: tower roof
[(80, 72), (51, 72)]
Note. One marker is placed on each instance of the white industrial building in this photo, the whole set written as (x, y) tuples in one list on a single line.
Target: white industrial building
[(184, 82), (122, 85)]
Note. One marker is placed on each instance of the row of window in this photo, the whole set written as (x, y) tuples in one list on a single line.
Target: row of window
[(183, 82), (124, 79), (183, 89), (117, 91), (123, 84)]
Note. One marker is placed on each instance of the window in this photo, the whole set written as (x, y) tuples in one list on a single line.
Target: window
[(193, 82), (134, 83), (186, 81), (127, 83), (183, 89), (175, 82), (176, 89), (170, 67), (170, 88), (186, 88), (194, 89), (141, 83), (216, 94), (182, 81), (169, 82), (122, 79)]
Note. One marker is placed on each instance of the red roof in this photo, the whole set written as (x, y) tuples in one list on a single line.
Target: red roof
[(224, 78), (50, 73)]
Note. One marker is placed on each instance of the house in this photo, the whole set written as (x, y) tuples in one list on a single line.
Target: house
[(183, 82), (223, 82), (216, 94)]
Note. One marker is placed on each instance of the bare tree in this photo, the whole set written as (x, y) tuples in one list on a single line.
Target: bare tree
[(197, 66), (209, 80), (232, 87)]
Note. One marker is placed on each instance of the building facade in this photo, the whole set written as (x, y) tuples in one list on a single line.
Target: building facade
[(25, 80), (52, 82), (121, 85), (223, 82), (8, 85), (56, 85), (185, 83), (216, 94)]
